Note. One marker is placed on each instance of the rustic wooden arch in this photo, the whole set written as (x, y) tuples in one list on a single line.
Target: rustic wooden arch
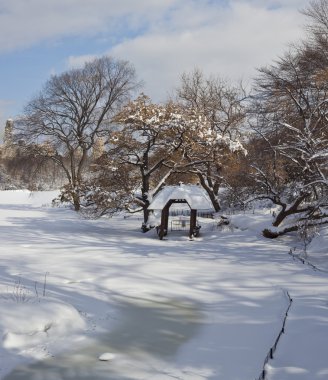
[(192, 195), (163, 227)]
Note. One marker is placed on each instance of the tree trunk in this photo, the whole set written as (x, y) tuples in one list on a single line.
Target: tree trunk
[(145, 213), (280, 217), (76, 199), (77, 205), (293, 209), (210, 192), (145, 195)]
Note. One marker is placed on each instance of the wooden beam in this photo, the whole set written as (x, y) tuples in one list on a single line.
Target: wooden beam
[(164, 221), (193, 222)]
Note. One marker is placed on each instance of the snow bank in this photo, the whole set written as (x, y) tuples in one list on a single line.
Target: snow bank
[(36, 329), (26, 324), (161, 309), (255, 222), (26, 197)]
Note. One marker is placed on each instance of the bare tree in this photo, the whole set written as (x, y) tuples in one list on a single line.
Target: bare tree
[(108, 191), (148, 137), (72, 111), (317, 13), (207, 149), (292, 112)]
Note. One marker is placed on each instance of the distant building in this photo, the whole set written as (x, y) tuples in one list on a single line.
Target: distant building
[(7, 149), (8, 135)]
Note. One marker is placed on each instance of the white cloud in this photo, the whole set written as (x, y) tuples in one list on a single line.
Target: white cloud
[(24, 23), (79, 61), (230, 42), (228, 38)]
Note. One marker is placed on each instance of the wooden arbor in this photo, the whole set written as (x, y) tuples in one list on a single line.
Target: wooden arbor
[(194, 196), (163, 227)]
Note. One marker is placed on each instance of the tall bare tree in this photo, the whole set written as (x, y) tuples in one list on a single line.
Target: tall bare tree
[(292, 112), (72, 111), (207, 148), (317, 14), (148, 137)]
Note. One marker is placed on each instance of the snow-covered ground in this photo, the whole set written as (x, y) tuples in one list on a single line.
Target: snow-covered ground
[(74, 291)]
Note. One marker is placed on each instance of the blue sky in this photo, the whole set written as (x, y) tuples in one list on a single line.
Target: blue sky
[(162, 38)]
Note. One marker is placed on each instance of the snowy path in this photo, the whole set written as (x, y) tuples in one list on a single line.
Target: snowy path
[(204, 309)]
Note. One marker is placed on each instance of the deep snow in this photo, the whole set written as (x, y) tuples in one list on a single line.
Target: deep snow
[(72, 290)]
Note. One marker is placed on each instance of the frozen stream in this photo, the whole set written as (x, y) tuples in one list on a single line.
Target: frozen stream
[(208, 309), (146, 335)]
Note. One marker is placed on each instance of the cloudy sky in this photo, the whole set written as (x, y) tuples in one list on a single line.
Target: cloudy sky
[(161, 38)]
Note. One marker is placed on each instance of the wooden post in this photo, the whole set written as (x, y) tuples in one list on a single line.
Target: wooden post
[(166, 218), (161, 229), (164, 222), (193, 221)]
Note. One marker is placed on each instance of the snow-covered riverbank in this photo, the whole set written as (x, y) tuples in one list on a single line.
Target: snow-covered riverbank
[(204, 309)]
